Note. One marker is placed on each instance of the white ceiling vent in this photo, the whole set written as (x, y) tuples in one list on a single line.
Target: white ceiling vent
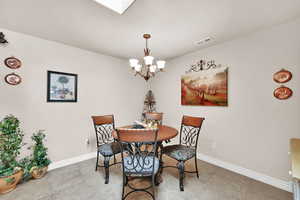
[(203, 41), (119, 6)]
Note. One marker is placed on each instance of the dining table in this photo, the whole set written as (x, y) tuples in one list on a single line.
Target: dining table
[(165, 133)]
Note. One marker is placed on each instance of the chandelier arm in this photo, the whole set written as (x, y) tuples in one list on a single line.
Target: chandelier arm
[(148, 71), (138, 73)]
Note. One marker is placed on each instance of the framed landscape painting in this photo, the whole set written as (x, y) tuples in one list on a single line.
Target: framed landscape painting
[(205, 88), (61, 87)]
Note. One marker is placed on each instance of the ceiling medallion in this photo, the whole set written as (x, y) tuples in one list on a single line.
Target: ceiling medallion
[(147, 69)]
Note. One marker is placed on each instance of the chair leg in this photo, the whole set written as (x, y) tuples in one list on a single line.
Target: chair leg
[(180, 166), (157, 179), (196, 166), (115, 160), (97, 162), (153, 187), (106, 166), (126, 180), (124, 184), (161, 163)]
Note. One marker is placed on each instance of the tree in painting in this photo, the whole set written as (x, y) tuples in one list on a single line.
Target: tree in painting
[(63, 80)]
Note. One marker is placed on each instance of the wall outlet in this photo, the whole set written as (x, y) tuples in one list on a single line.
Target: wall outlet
[(87, 141)]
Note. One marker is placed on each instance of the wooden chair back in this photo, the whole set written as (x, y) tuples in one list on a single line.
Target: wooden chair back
[(137, 135), (192, 121), (154, 116), (105, 119)]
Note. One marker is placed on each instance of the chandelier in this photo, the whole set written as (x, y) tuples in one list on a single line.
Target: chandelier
[(147, 68)]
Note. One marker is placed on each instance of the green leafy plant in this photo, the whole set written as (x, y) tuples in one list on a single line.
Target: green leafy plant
[(10, 144), (40, 155), (26, 164)]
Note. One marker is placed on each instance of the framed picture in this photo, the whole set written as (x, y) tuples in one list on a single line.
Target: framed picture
[(61, 87), (205, 88)]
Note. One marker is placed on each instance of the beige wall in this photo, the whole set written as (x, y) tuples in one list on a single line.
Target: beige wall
[(254, 130), (105, 86)]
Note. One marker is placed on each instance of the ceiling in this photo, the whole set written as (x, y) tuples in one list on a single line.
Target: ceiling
[(175, 25)]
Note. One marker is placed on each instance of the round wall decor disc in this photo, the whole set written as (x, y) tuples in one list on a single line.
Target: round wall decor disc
[(13, 63), (13, 79), (282, 76), (283, 93)]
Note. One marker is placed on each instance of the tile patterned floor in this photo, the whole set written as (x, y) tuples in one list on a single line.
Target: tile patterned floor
[(81, 182)]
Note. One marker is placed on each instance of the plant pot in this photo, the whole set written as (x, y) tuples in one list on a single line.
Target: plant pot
[(38, 172), (9, 183)]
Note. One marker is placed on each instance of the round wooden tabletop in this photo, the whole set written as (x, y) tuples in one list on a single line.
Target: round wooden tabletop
[(164, 133)]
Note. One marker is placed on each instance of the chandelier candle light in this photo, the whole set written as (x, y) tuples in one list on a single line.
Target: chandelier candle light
[(147, 69)]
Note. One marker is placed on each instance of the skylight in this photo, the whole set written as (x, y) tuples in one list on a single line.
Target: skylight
[(119, 6)]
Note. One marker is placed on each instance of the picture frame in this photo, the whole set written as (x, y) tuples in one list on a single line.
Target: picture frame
[(61, 87)]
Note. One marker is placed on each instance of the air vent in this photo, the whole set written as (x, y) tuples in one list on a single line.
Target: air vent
[(203, 41)]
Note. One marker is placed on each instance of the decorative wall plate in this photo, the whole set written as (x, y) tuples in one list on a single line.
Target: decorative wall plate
[(13, 63), (282, 76), (283, 93), (13, 79)]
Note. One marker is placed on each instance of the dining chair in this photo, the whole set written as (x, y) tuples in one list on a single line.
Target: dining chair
[(187, 147), (138, 161), (106, 144), (156, 116)]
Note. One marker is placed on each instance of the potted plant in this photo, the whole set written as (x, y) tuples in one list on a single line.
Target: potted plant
[(40, 160), (26, 164), (10, 144)]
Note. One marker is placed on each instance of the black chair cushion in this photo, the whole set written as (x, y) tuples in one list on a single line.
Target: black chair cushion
[(140, 165), (109, 149), (179, 152)]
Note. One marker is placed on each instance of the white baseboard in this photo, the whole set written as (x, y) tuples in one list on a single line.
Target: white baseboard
[(284, 185), (71, 161)]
